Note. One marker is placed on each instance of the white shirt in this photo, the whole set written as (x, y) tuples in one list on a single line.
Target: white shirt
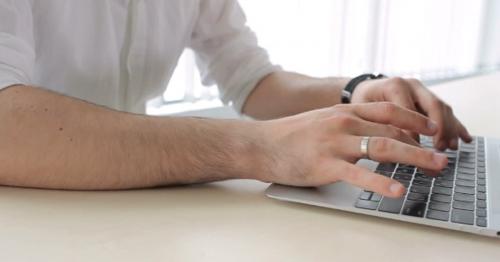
[(121, 53)]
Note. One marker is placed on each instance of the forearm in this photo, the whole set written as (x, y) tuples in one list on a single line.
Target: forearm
[(52, 141), (283, 93)]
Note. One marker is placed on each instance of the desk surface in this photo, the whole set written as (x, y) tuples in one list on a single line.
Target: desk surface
[(233, 220)]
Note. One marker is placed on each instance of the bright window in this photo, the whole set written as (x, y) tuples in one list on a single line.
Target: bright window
[(427, 39)]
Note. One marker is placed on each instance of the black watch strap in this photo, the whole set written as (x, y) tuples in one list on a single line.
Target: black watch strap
[(349, 88)]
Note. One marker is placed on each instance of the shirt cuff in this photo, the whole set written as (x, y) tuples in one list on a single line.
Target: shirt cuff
[(4, 83)]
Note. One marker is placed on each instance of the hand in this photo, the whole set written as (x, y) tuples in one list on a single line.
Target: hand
[(322, 146), (411, 94)]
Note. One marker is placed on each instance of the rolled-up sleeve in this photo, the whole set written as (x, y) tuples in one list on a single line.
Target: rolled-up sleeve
[(227, 52), (17, 54)]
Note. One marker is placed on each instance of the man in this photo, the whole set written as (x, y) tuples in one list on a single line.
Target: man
[(74, 72)]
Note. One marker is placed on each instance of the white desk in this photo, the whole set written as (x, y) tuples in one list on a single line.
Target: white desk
[(233, 221)]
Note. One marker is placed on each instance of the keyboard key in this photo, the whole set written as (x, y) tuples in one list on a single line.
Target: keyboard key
[(462, 216), (481, 175), (442, 190), (388, 167), (464, 170), (425, 183), (405, 183), (481, 169), (481, 196), (384, 173), (405, 170), (465, 190), (481, 212), (445, 178), (470, 177), (443, 183), (464, 197), (466, 165), (376, 197), (439, 206), (414, 208), (365, 204), (460, 182), (481, 189), (441, 198), (420, 171), (417, 197), (481, 221), (399, 176), (468, 160), (468, 149), (420, 189), (447, 172), (451, 153), (438, 215), (466, 154), (391, 205), (365, 195), (481, 204), (420, 176), (463, 205), (481, 182)]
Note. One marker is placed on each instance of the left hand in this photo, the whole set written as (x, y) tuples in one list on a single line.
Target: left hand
[(413, 95)]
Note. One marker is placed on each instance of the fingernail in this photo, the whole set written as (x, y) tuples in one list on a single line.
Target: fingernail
[(432, 126), (396, 188), (440, 159)]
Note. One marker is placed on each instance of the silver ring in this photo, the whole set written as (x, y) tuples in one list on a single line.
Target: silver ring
[(364, 147)]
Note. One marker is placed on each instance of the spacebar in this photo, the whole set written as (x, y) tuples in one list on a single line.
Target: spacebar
[(391, 205)]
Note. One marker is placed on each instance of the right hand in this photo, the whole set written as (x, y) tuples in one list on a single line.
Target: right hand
[(322, 146)]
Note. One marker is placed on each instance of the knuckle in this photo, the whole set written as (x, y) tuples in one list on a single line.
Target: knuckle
[(397, 84), (343, 120), (396, 133), (398, 81), (388, 108), (425, 155), (413, 81), (381, 146)]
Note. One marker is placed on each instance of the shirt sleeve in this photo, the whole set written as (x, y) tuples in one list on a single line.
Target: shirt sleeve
[(227, 52), (17, 55)]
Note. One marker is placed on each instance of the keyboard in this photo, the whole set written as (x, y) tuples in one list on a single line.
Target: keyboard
[(457, 194)]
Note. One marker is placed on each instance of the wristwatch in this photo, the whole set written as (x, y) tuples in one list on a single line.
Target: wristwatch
[(349, 88)]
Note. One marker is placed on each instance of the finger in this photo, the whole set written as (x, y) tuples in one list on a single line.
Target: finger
[(463, 133), (404, 99), (414, 136), (391, 114), (441, 114), (365, 179), (366, 128), (384, 149)]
